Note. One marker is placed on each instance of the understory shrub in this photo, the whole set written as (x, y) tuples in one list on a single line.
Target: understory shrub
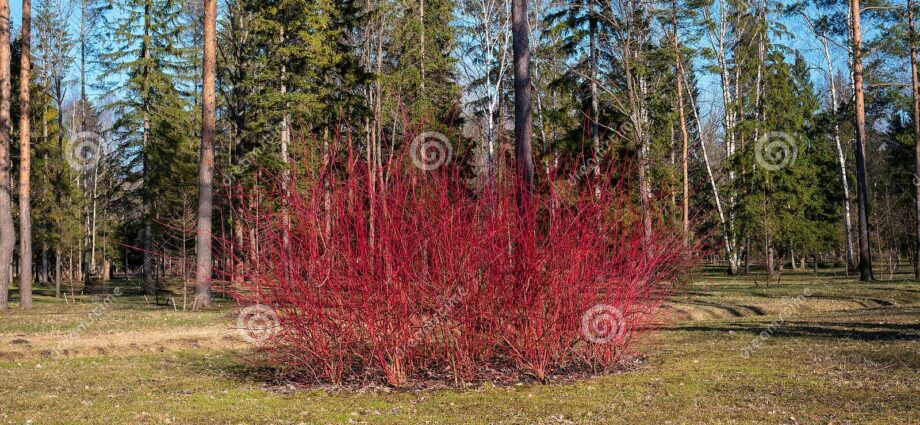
[(409, 275)]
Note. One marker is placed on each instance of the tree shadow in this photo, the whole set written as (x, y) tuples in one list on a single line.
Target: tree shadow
[(859, 331)]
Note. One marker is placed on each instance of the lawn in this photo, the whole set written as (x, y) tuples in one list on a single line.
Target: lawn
[(814, 348)]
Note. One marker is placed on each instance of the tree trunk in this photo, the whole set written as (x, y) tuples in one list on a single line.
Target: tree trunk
[(25, 161), (286, 176), (206, 167), (7, 228), (684, 134), (719, 45), (915, 85), (523, 117), (421, 33), (44, 273), (771, 266), (58, 270), (865, 252), (729, 249), (148, 284), (841, 159), (595, 104)]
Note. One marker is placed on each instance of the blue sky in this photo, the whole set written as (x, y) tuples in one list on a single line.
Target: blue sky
[(16, 12)]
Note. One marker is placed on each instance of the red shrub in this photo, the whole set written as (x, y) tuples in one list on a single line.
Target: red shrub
[(423, 274)]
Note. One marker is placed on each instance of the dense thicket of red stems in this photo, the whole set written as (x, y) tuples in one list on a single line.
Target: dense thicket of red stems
[(443, 278)]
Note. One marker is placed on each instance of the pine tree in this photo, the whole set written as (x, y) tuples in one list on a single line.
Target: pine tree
[(25, 155), (421, 52), (206, 160), (146, 55), (7, 229)]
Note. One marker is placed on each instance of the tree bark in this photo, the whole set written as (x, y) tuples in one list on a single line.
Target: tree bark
[(523, 116), (7, 228), (865, 251), (421, 33), (915, 85), (25, 161), (58, 270), (206, 166), (684, 134), (595, 103), (148, 284), (44, 271)]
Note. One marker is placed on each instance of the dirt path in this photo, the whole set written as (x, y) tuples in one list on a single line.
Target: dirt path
[(116, 343)]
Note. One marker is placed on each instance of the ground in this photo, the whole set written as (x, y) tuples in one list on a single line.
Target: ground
[(810, 349)]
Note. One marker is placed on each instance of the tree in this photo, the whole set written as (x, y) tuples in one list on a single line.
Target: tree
[(25, 158), (155, 122), (91, 18), (684, 133), (206, 164), (523, 117), (915, 91), (52, 56), (485, 40), (576, 29), (865, 251), (7, 229), (424, 67), (822, 30)]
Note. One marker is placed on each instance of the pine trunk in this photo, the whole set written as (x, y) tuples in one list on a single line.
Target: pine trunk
[(25, 161), (915, 85), (865, 252), (523, 117), (7, 228), (148, 284), (206, 166)]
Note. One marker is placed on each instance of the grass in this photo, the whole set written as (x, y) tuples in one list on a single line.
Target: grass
[(846, 353)]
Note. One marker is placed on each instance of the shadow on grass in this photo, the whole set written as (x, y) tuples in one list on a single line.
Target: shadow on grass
[(831, 330)]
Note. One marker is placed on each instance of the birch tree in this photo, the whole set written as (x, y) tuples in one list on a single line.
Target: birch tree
[(485, 43)]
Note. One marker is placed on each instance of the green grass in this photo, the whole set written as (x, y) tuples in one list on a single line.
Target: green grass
[(847, 353)]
